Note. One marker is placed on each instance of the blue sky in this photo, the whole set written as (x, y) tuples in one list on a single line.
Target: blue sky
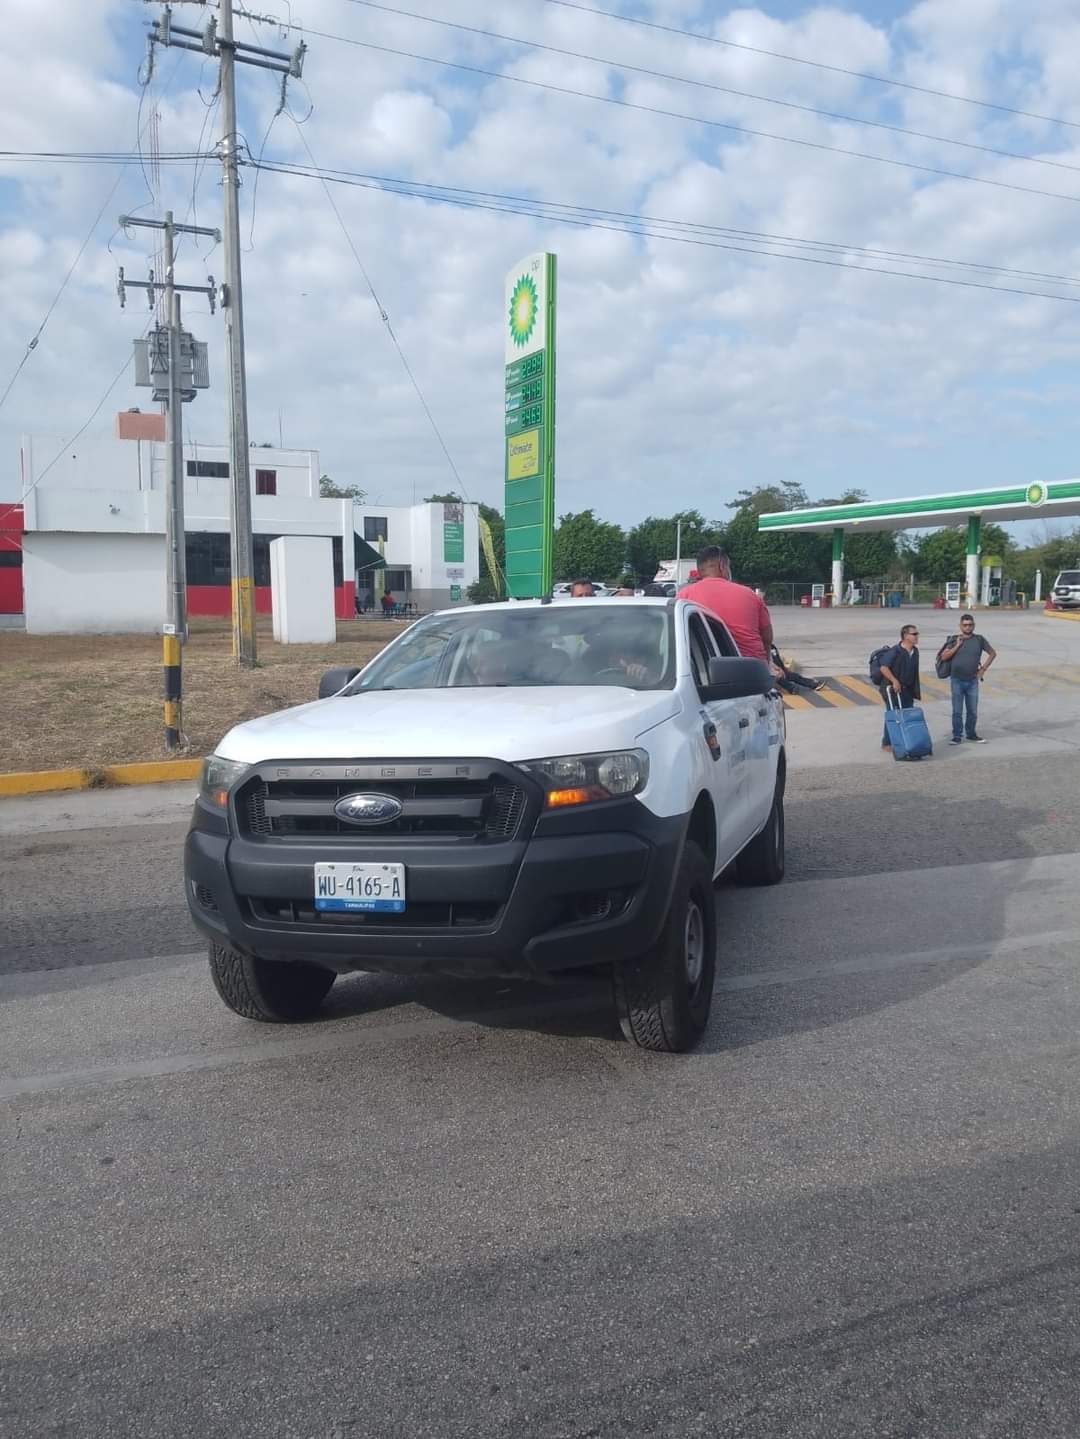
[(686, 371)]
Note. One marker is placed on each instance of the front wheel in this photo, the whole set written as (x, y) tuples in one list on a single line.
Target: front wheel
[(275, 992), (663, 997), (762, 861)]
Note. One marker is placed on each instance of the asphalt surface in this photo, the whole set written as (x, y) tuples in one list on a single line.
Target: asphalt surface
[(471, 1210)]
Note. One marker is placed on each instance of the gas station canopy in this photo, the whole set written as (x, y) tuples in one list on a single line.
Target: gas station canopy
[(1056, 499)]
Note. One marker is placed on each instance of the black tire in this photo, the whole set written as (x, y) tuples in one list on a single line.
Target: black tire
[(272, 991), (762, 861), (663, 997)]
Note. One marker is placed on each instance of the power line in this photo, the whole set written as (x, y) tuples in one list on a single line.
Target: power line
[(816, 64), (121, 159), (383, 314), (540, 207), (684, 239), (720, 89), (84, 426), (696, 119), (95, 157)]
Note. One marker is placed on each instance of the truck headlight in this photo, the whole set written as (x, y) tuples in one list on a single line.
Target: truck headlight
[(217, 779), (586, 778)]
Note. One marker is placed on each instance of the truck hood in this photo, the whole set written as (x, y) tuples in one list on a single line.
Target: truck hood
[(508, 724)]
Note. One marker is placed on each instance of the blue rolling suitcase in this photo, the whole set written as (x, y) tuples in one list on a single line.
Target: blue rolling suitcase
[(907, 730)]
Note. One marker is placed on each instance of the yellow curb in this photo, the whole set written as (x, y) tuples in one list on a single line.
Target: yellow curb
[(151, 772), (38, 781), (1062, 614)]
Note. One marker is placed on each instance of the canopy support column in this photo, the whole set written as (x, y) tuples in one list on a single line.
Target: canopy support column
[(838, 566), (971, 578)]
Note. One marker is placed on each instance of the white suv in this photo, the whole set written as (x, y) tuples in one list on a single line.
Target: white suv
[(1066, 592), (520, 789)]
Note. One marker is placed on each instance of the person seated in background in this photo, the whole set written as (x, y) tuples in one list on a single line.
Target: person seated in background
[(387, 603), (787, 679), (582, 590)]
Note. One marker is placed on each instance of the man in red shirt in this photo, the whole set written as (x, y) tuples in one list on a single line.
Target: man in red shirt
[(745, 615)]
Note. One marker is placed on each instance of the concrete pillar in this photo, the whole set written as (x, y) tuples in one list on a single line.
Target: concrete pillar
[(838, 566), (971, 577), (1038, 586)]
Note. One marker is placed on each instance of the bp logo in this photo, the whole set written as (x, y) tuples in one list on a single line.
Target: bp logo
[(523, 311), (1036, 494)]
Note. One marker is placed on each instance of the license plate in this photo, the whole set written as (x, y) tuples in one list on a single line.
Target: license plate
[(360, 888)]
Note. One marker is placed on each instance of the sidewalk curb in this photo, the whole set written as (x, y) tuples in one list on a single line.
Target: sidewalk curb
[(45, 781), (1061, 614)]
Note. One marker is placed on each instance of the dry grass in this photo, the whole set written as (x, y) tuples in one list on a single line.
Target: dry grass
[(94, 700)]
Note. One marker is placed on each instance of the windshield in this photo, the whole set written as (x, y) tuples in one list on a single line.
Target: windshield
[(616, 643), (1069, 577)]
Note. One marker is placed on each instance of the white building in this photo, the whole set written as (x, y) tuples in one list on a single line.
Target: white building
[(94, 535)]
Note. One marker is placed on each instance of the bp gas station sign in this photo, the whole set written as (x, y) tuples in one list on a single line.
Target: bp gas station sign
[(529, 424)]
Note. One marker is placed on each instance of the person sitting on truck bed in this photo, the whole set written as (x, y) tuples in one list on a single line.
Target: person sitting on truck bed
[(745, 615)]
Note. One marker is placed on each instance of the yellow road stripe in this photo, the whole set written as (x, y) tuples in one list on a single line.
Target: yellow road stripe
[(1024, 681), (861, 687), (835, 699), (1057, 676), (796, 702)]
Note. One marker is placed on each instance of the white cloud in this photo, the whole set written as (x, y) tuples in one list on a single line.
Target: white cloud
[(685, 368)]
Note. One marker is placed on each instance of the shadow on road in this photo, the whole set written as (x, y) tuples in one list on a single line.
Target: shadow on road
[(791, 962)]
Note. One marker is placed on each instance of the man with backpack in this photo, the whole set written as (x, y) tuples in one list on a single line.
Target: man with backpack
[(895, 670), (960, 661)]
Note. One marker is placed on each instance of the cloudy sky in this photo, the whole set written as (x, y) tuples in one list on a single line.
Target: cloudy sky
[(688, 368)]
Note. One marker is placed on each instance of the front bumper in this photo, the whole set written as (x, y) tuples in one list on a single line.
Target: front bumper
[(529, 907)]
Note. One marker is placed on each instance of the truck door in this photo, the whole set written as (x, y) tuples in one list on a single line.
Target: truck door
[(757, 723), (727, 742)]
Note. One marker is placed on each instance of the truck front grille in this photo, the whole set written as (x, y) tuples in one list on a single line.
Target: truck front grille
[(469, 809), (443, 915)]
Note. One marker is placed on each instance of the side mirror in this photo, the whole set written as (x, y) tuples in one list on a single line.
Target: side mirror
[(332, 681), (736, 679)]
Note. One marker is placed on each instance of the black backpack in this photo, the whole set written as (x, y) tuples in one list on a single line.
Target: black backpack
[(876, 677), (943, 668)]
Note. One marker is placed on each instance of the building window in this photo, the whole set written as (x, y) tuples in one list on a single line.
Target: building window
[(208, 469), (400, 580), (374, 527), (207, 558), (266, 482)]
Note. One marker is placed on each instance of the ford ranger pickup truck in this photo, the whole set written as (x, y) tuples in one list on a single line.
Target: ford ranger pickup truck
[(523, 789)]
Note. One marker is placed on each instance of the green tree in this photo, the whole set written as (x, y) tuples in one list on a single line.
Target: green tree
[(588, 547), (1054, 554), (654, 539), (941, 555), (450, 498), (764, 558), (329, 491), (868, 556)]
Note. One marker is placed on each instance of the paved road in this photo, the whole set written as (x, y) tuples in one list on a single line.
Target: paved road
[(472, 1211)]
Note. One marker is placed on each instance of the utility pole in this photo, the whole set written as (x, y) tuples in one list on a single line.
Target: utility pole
[(166, 351), (218, 39), (243, 547)]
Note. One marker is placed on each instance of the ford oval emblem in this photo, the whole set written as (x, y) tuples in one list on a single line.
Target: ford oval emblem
[(368, 808)]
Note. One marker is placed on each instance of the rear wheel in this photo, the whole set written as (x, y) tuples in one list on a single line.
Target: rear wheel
[(268, 990), (663, 997), (762, 861)]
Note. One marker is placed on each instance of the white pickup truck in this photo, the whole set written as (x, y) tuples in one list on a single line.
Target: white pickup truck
[(520, 789)]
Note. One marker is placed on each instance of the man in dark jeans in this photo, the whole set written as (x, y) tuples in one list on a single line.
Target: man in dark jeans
[(900, 674), (965, 652)]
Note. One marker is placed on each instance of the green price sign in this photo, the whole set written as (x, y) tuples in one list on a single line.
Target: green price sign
[(529, 425)]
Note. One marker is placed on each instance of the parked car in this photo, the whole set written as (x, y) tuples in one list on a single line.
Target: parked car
[(519, 789), (1066, 591)]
